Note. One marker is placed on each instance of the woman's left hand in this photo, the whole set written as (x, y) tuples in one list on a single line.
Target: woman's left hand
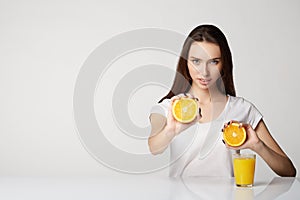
[(252, 138), (261, 142)]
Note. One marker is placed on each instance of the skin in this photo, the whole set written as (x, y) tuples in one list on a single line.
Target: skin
[(204, 66)]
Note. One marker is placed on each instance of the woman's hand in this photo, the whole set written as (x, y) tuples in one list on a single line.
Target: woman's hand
[(261, 142), (164, 129), (175, 127), (252, 139)]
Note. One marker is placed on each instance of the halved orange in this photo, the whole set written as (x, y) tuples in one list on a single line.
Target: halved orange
[(234, 135), (185, 109)]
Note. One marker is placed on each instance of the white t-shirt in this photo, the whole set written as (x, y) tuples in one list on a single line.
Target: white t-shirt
[(199, 150)]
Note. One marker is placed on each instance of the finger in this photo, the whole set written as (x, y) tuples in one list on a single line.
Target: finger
[(244, 125), (234, 121), (182, 95), (240, 125), (189, 95), (230, 122), (226, 124), (192, 96), (247, 126), (170, 118), (175, 97), (199, 116)]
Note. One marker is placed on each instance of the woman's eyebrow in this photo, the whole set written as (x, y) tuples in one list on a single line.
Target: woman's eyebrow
[(217, 58), (195, 57)]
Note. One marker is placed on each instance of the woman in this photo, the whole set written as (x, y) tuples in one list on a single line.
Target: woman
[(204, 72)]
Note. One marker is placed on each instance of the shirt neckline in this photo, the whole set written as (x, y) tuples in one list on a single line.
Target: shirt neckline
[(220, 115)]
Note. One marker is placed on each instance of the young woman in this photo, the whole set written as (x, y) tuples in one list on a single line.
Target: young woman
[(204, 72)]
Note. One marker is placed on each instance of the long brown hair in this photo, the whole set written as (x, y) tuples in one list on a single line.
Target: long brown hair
[(183, 81)]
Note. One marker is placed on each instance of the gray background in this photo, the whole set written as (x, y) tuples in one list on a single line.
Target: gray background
[(45, 43)]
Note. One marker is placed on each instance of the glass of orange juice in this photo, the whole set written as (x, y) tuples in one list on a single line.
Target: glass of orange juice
[(244, 169)]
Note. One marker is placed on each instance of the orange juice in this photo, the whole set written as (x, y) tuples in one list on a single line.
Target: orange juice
[(244, 168)]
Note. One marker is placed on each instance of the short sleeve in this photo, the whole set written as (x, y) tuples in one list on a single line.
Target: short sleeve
[(244, 111), (161, 108), (254, 116)]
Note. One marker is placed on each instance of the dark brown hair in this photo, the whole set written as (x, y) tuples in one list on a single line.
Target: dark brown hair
[(183, 81)]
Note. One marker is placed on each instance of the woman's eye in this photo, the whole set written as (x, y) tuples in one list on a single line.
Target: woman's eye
[(214, 62), (196, 61)]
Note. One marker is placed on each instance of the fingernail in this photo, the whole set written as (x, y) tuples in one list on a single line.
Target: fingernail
[(200, 111), (222, 130), (223, 141), (228, 123), (184, 94), (197, 99)]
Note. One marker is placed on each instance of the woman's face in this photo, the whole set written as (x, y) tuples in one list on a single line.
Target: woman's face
[(204, 64)]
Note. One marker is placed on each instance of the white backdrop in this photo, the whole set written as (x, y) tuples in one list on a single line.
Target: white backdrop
[(44, 44)]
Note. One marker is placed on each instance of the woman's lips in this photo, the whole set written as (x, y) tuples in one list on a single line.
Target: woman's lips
[(204, 81)]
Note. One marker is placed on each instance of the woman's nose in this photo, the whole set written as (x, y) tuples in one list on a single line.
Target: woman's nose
[(203, 69)]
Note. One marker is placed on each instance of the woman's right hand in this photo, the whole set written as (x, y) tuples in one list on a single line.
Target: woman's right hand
[(164, 129), (175, 127)]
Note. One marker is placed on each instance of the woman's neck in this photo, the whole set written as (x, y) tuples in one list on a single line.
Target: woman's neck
[(206, 96)]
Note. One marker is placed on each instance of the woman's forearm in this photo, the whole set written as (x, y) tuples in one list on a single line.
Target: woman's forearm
[(281, 165), (160, 141)]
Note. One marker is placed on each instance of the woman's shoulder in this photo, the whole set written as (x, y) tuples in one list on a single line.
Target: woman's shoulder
[(162, 107), (240, 101), (245, 110)]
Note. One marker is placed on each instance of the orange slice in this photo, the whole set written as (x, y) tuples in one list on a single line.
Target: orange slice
[(234, 135), (185, 109)]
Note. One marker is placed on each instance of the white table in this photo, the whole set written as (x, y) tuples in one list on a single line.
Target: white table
[(144, 187)]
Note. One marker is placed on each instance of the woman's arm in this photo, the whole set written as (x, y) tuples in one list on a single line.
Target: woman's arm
[(164, 129), (261, 142), (160, 136), (271, 152)]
